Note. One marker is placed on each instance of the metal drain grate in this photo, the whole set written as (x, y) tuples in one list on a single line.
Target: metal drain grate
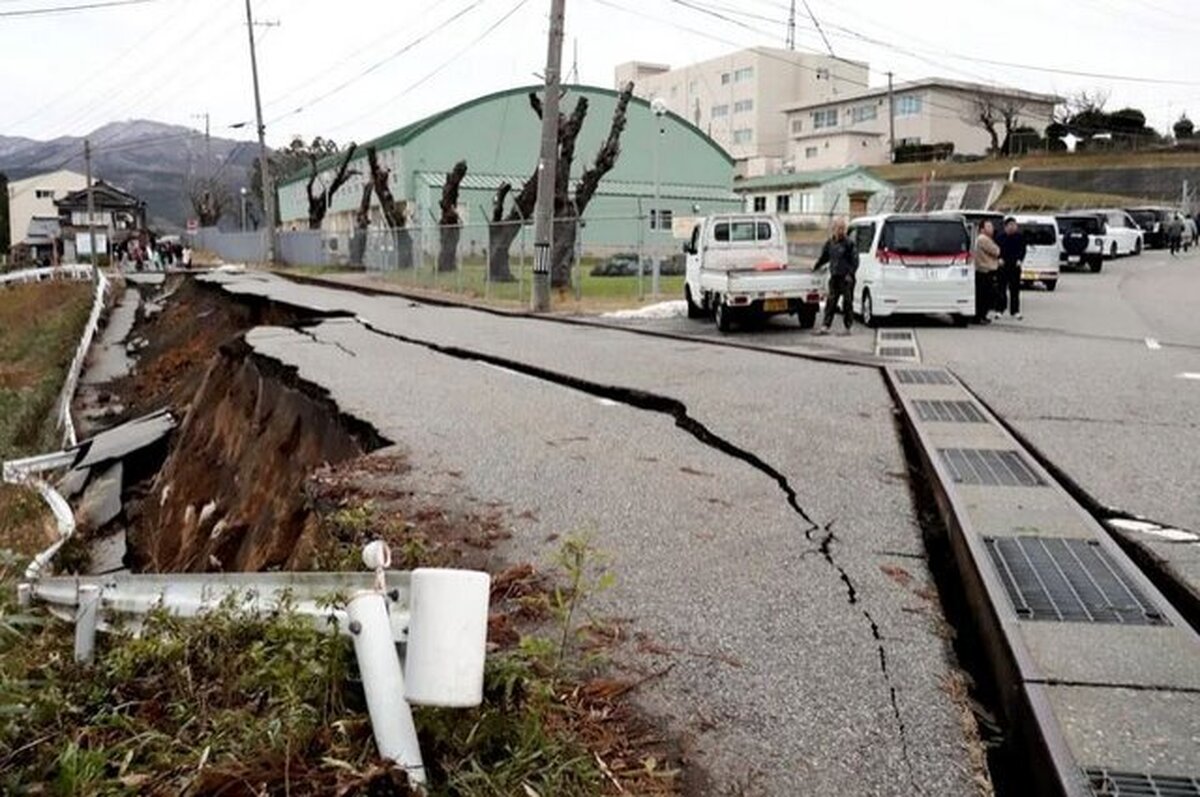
[(897, 351), (987, 466), (1069, 580), (949, 411), (913, 376), (896, 336), (1135, 784)]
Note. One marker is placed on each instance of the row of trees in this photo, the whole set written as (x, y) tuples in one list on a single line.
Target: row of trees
[(511, 208)]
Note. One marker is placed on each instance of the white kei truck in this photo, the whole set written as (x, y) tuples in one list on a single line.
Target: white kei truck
[(738, 270)]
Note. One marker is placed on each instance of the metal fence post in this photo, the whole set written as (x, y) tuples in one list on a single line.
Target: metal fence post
[(85, 623), (383, 683)]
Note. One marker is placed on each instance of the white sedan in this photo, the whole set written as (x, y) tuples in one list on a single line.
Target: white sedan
[(1122, 234)]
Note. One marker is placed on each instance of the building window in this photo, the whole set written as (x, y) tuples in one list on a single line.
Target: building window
[(810, 152), (724, 78), (863, 113), (783, 202), (808, 202), (674, 92), (743, 136), (691, 87), (742, 106), (44, 193), (760, 204), (661, 219), (826, 118), (908, 105), (744, 74), (797, 127), (720, 110)]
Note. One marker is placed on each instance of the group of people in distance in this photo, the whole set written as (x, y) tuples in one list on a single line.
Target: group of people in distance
[(998, 258)]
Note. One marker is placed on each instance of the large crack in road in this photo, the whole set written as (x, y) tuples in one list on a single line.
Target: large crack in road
[(678, 411)]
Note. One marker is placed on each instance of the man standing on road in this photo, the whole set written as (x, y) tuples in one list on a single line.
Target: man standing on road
[(842, 256), (1012, 257), (987, 262), (1174, 232)]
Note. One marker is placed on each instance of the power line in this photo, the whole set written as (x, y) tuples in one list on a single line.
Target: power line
[(817, 24), (37, 12)]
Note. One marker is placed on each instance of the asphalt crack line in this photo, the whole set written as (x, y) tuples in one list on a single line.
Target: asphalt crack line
[(303, 330), (666, 405)]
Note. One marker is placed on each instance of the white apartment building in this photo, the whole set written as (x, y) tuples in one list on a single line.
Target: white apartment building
[(739, 99), (34, 197), (852, 129)]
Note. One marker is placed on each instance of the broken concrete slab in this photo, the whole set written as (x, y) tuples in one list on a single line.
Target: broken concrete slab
[(108, 553), (102, 500), (120, 441), (73, 482)]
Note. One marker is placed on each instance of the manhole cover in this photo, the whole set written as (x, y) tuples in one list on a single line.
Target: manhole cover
[(987, 466), (1068, 580), (913, 376), (948, 411)]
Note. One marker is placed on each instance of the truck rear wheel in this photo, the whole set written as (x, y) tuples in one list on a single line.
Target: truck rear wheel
[(807, 315), (693, 310), (722, 316)]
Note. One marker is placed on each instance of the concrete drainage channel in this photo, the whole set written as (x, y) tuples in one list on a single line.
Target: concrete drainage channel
[(1091, 670), (1095, 670)]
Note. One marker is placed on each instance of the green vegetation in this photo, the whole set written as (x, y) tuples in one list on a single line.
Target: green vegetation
[(231, 703), (40, 326), (1018, 197)]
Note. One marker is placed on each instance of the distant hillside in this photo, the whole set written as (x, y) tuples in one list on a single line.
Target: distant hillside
[(150, 159)]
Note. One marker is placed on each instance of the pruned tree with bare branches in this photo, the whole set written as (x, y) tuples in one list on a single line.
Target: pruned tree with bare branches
[(395, 214), (998, 115), (362, 222), (318, 200), (210, 199), (450, 223)]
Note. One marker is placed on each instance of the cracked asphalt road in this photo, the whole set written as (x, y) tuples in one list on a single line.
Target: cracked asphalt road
[(806, 641)]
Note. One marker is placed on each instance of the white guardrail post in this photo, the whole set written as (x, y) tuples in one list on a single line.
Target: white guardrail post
[(440, 614)]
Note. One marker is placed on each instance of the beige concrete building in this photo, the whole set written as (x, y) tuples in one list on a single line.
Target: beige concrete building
[(34, 197), (852, 129), (739, 98)]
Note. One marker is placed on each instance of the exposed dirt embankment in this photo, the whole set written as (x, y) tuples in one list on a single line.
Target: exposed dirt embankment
[(231, 494)]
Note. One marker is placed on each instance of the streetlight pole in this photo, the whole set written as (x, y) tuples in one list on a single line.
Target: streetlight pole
[(91, 207), (268, 186), (543, 227), (656, 215), (244, 192)]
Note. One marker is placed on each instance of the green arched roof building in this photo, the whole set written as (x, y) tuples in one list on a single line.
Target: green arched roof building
[(498, 135)]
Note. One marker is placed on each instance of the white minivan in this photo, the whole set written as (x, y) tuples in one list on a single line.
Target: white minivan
[(913, 263), (1043, 250)]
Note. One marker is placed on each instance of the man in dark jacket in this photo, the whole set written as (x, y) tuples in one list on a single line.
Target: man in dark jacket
[(1012, 256), (842, 256)]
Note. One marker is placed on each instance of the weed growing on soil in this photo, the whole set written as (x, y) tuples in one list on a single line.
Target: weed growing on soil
[(235, 704)]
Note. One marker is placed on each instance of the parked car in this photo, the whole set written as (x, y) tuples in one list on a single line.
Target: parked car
[(1122, 235), (1153, 221), (619, 265), (1043, 250), (737, 268), (913, 263), (1082, 238)]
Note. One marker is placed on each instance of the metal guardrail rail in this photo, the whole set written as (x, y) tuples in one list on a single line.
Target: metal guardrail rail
[(1097, 673)]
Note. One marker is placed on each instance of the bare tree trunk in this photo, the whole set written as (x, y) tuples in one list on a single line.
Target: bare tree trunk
[(501, 235), (450, 224), (362, 221), (394, 213), (318, 204), (566, 228)]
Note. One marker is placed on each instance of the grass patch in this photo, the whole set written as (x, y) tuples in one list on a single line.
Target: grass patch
[(999, 167), (1018, 197), (40, 325)]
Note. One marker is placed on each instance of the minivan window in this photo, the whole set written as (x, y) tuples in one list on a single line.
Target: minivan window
[(864, 236), (1085, 224), (764, 231), (721, 232), (1039, 234), (925, 237), (742, 231)]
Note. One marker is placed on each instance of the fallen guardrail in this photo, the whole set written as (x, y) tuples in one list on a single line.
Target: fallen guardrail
[(439, 615), (25, 276), (71, 383)]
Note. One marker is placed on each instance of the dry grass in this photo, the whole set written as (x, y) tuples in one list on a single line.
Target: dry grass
[(1022, 197), (911, 172)]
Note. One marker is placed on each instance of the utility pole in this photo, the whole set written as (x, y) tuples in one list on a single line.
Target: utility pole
[(268, 185), (891, 120), (543, 227), (791, 30), (91, 200)]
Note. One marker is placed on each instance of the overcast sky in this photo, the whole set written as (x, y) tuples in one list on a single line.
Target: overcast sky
[(170, 60)]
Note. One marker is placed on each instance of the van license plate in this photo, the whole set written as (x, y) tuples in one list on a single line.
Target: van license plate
[(775, 305)]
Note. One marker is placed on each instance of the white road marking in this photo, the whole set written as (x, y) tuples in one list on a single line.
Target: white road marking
[(1153, 344), (1188, 375), (603, 402)]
